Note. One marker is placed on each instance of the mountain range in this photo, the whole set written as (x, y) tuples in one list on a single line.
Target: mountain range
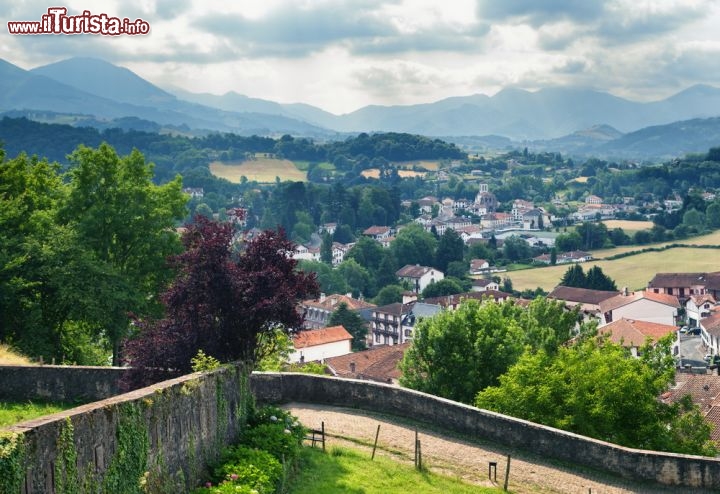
[(95, 92)]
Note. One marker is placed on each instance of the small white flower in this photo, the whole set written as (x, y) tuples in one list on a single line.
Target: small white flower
[(273, 418), (287, 431)]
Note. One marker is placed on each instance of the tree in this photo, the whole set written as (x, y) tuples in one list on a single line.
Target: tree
[(413, 245), (356, 276), (446, 286), (597, 389), (128, 223), (567, 242), (326, 249), (354, 324), (221, 303), (389, 294), (458, 353), (450, 248), (574, 277), (329, 279), (712, 215), (553, 256), (516, 249), (597, 280)]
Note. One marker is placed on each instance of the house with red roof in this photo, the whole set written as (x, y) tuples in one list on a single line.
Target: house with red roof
[(634, 334), (648, 306), (320, 344), (378, 364)]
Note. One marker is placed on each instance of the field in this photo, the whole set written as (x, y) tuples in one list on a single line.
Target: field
[(709, 239), (343, 470), (261, 169), (633, 272), (628, 226)]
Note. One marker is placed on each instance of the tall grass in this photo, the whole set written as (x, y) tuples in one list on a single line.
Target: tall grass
[(9, 357)]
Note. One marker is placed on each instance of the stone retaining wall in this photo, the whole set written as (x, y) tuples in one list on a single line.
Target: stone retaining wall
[(163, 435), (66, 383), (665, 468)]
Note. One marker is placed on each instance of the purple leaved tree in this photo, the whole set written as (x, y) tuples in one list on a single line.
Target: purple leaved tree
[(221, 302)]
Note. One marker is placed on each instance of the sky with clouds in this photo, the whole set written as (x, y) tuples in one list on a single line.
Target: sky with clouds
[(341, 55)]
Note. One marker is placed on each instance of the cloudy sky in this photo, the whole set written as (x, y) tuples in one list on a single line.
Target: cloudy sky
[(343, 54)]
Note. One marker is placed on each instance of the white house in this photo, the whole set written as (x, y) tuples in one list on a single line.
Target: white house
[(483, 285), (419, 277), (319, 344), (710, 332), (699, 307), (640, 306)]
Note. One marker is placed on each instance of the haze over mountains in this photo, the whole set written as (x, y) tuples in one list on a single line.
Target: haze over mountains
[(560, 119)]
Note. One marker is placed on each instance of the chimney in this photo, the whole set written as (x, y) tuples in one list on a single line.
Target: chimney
[(322, 297), (625, 291), (352, 367)]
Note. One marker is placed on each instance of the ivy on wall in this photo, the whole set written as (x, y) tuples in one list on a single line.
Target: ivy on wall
[(66, 471), (129, 463), (12, 461)]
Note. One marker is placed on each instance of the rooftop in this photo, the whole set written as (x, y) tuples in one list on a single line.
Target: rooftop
[(376, 364), (631, 333), (315, 337), (580, 295)]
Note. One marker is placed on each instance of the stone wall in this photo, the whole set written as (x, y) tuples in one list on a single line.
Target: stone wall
[(162, 435), (664, 468), (59, 383)]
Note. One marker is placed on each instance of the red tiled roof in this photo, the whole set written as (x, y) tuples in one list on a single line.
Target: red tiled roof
[(631, 333), (377, 364), (671, 280), (376, 230), (315, 337), (580, 295), (622, 300), (412, 271), (712, 324)]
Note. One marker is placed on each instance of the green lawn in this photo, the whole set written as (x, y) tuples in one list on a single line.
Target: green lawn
[(14, 412), (350, 471)]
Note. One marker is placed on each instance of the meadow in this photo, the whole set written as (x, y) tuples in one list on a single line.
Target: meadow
[(14, 412), (633, 272), (261, 169), (628, 226), (375, 173)]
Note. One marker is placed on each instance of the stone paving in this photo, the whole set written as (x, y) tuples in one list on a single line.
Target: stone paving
[(453, 456)]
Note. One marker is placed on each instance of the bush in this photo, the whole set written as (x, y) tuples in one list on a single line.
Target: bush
[(251, 467)]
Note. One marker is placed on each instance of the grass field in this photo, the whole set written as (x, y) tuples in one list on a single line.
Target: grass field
[(13, 412), (628, 226), (260, 169), (347, 470), (633, 272), (709, 239)]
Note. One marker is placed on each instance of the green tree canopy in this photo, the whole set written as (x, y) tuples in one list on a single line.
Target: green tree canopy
[(450, 248), (128, 223), (458, 353), (446, 286), (351, 321), (413, 245), (597, 389)]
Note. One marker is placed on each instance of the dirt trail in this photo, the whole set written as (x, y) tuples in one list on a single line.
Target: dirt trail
[(456, 457)]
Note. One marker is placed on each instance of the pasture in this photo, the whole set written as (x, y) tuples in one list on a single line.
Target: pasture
[(633, 272), (260, 169), (628, 226)]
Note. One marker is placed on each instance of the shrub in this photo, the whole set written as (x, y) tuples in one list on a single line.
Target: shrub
[(245, 466)]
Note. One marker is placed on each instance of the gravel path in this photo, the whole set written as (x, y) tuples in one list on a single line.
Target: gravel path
[(456, 457)]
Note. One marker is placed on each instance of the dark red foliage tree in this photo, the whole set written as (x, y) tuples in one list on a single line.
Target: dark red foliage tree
[(221, 302)]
